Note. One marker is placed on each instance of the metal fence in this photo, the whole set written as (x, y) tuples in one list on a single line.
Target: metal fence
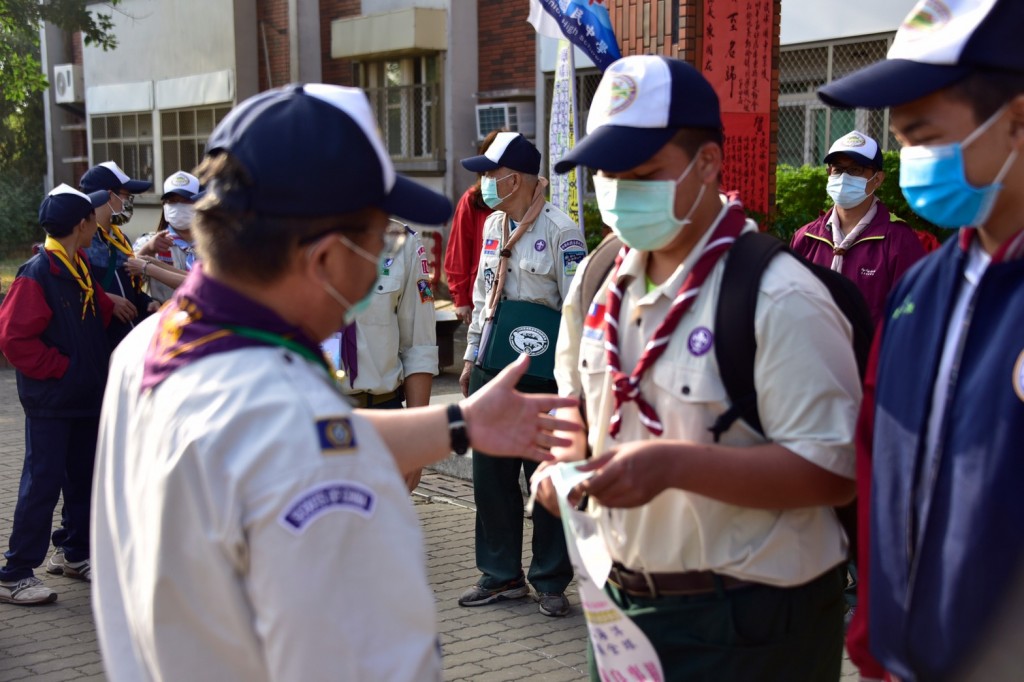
[(807, 128)]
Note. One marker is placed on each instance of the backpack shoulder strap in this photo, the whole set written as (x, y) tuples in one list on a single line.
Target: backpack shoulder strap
[(599, 264), (735, 340)]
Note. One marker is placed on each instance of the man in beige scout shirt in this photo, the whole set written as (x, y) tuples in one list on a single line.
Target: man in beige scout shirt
[(726, 555)]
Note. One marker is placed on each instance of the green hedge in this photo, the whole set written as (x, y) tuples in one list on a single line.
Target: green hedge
[(800, 197), (19, 214)]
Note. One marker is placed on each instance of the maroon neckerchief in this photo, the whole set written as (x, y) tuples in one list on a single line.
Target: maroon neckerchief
[(1012, 249), (626, 387), (349, 352), (193, 325)]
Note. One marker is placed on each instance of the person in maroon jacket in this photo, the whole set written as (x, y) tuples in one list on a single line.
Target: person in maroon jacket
[(859, 237), (53, 330)]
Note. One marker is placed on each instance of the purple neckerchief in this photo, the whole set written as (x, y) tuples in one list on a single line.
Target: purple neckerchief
[(186, 247), (349, 352), (192, 326)]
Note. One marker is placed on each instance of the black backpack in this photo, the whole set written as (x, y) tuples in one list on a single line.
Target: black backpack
[(735, 340)]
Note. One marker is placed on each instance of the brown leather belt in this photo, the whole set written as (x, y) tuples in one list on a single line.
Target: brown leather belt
[(639, 584), (365, 399)]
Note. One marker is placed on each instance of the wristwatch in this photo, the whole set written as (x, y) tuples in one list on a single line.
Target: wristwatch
[(457, 430)]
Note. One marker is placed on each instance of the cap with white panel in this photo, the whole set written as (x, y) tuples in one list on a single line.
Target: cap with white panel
[(109, 176), (183, 184), (314, 150), (860, 147), (940, 43), (64, 207), (640, 104), (508, 150)]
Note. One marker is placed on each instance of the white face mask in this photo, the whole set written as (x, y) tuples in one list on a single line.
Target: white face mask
[(848, 190), (179, 216)]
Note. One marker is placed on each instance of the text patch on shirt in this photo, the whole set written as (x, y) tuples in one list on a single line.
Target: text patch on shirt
[(314, 502), (490, 247)]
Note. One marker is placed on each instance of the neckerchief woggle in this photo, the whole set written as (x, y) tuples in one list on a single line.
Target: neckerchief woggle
[(79, 271), (206, 317), (621, 649), (118, 244)]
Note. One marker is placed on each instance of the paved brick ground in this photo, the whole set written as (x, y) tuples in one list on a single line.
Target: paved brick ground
[(509, 641)]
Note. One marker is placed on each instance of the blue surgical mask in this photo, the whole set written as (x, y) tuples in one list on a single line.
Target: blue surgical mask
[(642, 212), (848, 190), (935, 184), (489, 190), (353, 310)]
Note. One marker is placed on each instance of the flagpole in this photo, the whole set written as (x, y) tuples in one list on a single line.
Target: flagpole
[(574, 104)]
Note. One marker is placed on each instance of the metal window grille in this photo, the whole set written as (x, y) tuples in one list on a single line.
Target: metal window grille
[(184, 133), (127, 140), (807, 128), (409, 117)]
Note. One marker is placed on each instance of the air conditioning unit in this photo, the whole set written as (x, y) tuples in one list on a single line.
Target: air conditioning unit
[(515, 116), (68, 84)]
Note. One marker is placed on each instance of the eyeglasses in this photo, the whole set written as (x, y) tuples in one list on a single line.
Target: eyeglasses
[(849, 170)]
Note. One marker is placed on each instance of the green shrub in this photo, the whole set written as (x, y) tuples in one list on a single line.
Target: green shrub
[(19, 213), (800, 197)]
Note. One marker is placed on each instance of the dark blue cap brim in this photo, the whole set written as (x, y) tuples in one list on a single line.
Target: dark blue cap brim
[(859, 158), (616, 148), (412, 201), (136, 186), (98, 198), (479, 164), (181, 193), (890, 83)]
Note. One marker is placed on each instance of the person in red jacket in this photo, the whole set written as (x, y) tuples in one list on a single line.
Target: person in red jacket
[(859, 237), (53, 330), (462, 256)]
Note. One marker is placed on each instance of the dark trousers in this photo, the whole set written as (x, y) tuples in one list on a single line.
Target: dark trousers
[(792, 634), (499, 518), (59, 454)]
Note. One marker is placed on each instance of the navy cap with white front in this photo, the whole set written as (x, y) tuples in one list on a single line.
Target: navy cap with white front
[(108, 175), (940, 43), (640, 104), (508, 150), (862, 148), (314, 150), (64, 207)]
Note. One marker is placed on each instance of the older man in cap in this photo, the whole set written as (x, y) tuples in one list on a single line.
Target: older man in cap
[(266, 533), (939, 446), (530, 254)]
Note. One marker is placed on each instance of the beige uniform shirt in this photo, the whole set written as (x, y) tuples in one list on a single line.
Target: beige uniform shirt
[(542, 265), (396, 336), (808, 398)]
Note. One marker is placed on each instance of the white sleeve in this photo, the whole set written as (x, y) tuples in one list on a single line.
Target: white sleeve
[(417, 330)]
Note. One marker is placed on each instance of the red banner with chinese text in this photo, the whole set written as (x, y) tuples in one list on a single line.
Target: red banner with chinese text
[(737, 60)]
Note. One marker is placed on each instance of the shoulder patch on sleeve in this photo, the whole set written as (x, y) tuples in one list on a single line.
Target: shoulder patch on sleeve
[(314, 502), (571, 260), (426, 294), (336, 435), (572, 244)]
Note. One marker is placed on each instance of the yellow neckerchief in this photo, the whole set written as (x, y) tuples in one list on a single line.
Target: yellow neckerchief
[(79, 270), (115, 237)]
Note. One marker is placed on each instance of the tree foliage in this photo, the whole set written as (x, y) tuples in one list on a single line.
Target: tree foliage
[(21, 75)]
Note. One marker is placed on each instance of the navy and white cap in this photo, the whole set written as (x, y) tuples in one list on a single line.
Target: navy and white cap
[(859, 147), (640, 104), (314, 150), (108, 175), (64, 207), (508, 150), (940, 43), (183, 184)]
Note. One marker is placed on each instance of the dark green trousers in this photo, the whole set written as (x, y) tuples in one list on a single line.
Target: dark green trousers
[(753, 634), (499, 517)]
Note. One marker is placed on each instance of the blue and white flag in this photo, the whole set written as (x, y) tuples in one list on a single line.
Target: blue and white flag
[(584, 22)]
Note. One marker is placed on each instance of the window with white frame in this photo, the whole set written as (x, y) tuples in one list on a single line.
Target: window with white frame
[(406, 97), (127, 140), (183, 135)]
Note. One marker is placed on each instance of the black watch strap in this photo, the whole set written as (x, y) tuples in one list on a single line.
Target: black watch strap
[(457, 430)]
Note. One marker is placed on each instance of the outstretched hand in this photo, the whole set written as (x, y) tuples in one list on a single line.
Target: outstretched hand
[(503, 421)]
